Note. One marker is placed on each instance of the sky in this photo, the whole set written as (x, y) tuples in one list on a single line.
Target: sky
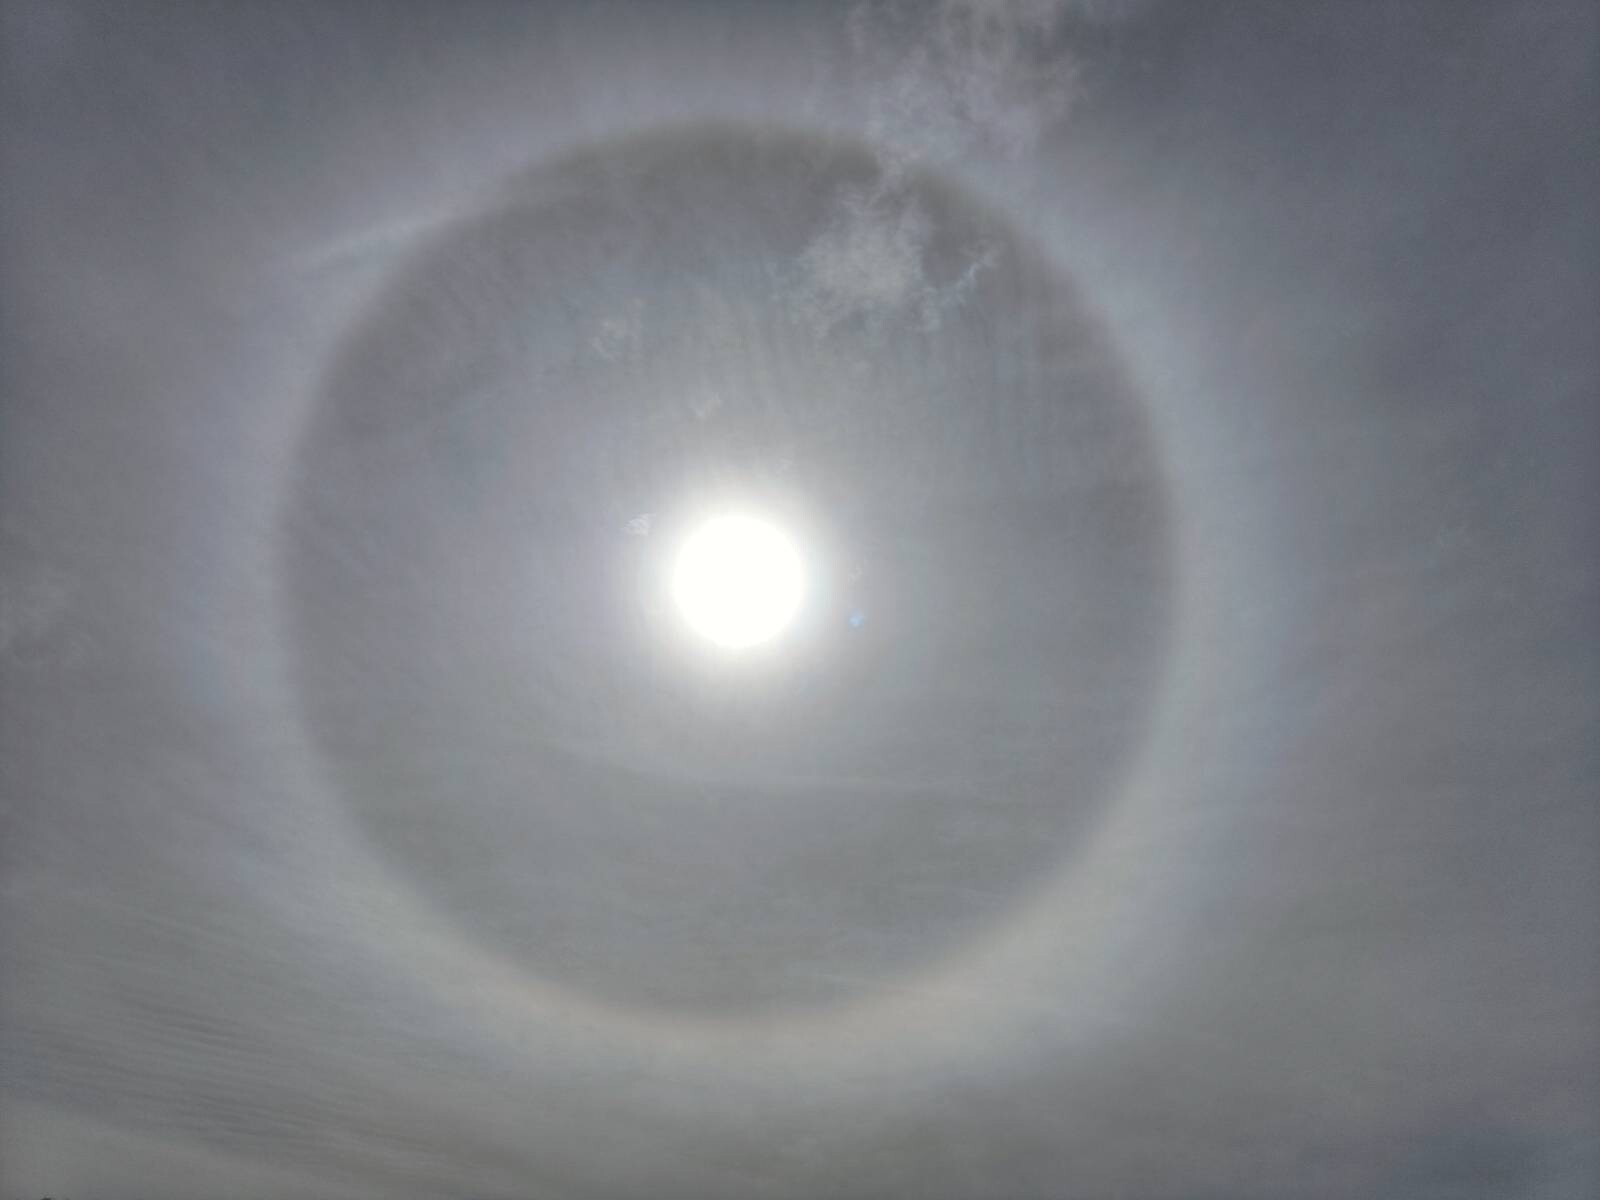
[(1178, 781)]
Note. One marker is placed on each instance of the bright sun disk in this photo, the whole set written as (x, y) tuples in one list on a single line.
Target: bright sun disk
[(738, 580)]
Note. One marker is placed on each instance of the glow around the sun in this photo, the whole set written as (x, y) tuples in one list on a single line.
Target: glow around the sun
[(738, 580)]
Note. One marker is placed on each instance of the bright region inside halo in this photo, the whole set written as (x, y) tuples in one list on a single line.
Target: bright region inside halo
[(738, 580)]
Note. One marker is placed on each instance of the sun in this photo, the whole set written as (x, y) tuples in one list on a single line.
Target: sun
[(738, 580)]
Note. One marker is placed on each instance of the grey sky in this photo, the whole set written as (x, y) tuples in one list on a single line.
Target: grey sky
[(1180, 785)]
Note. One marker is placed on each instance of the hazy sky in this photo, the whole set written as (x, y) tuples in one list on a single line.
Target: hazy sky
[(1179, 781)]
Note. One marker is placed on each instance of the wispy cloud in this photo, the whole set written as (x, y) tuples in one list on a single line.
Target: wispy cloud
[(956, 80)]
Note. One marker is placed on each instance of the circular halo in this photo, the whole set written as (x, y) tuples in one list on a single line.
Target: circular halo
[(820, 315)]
